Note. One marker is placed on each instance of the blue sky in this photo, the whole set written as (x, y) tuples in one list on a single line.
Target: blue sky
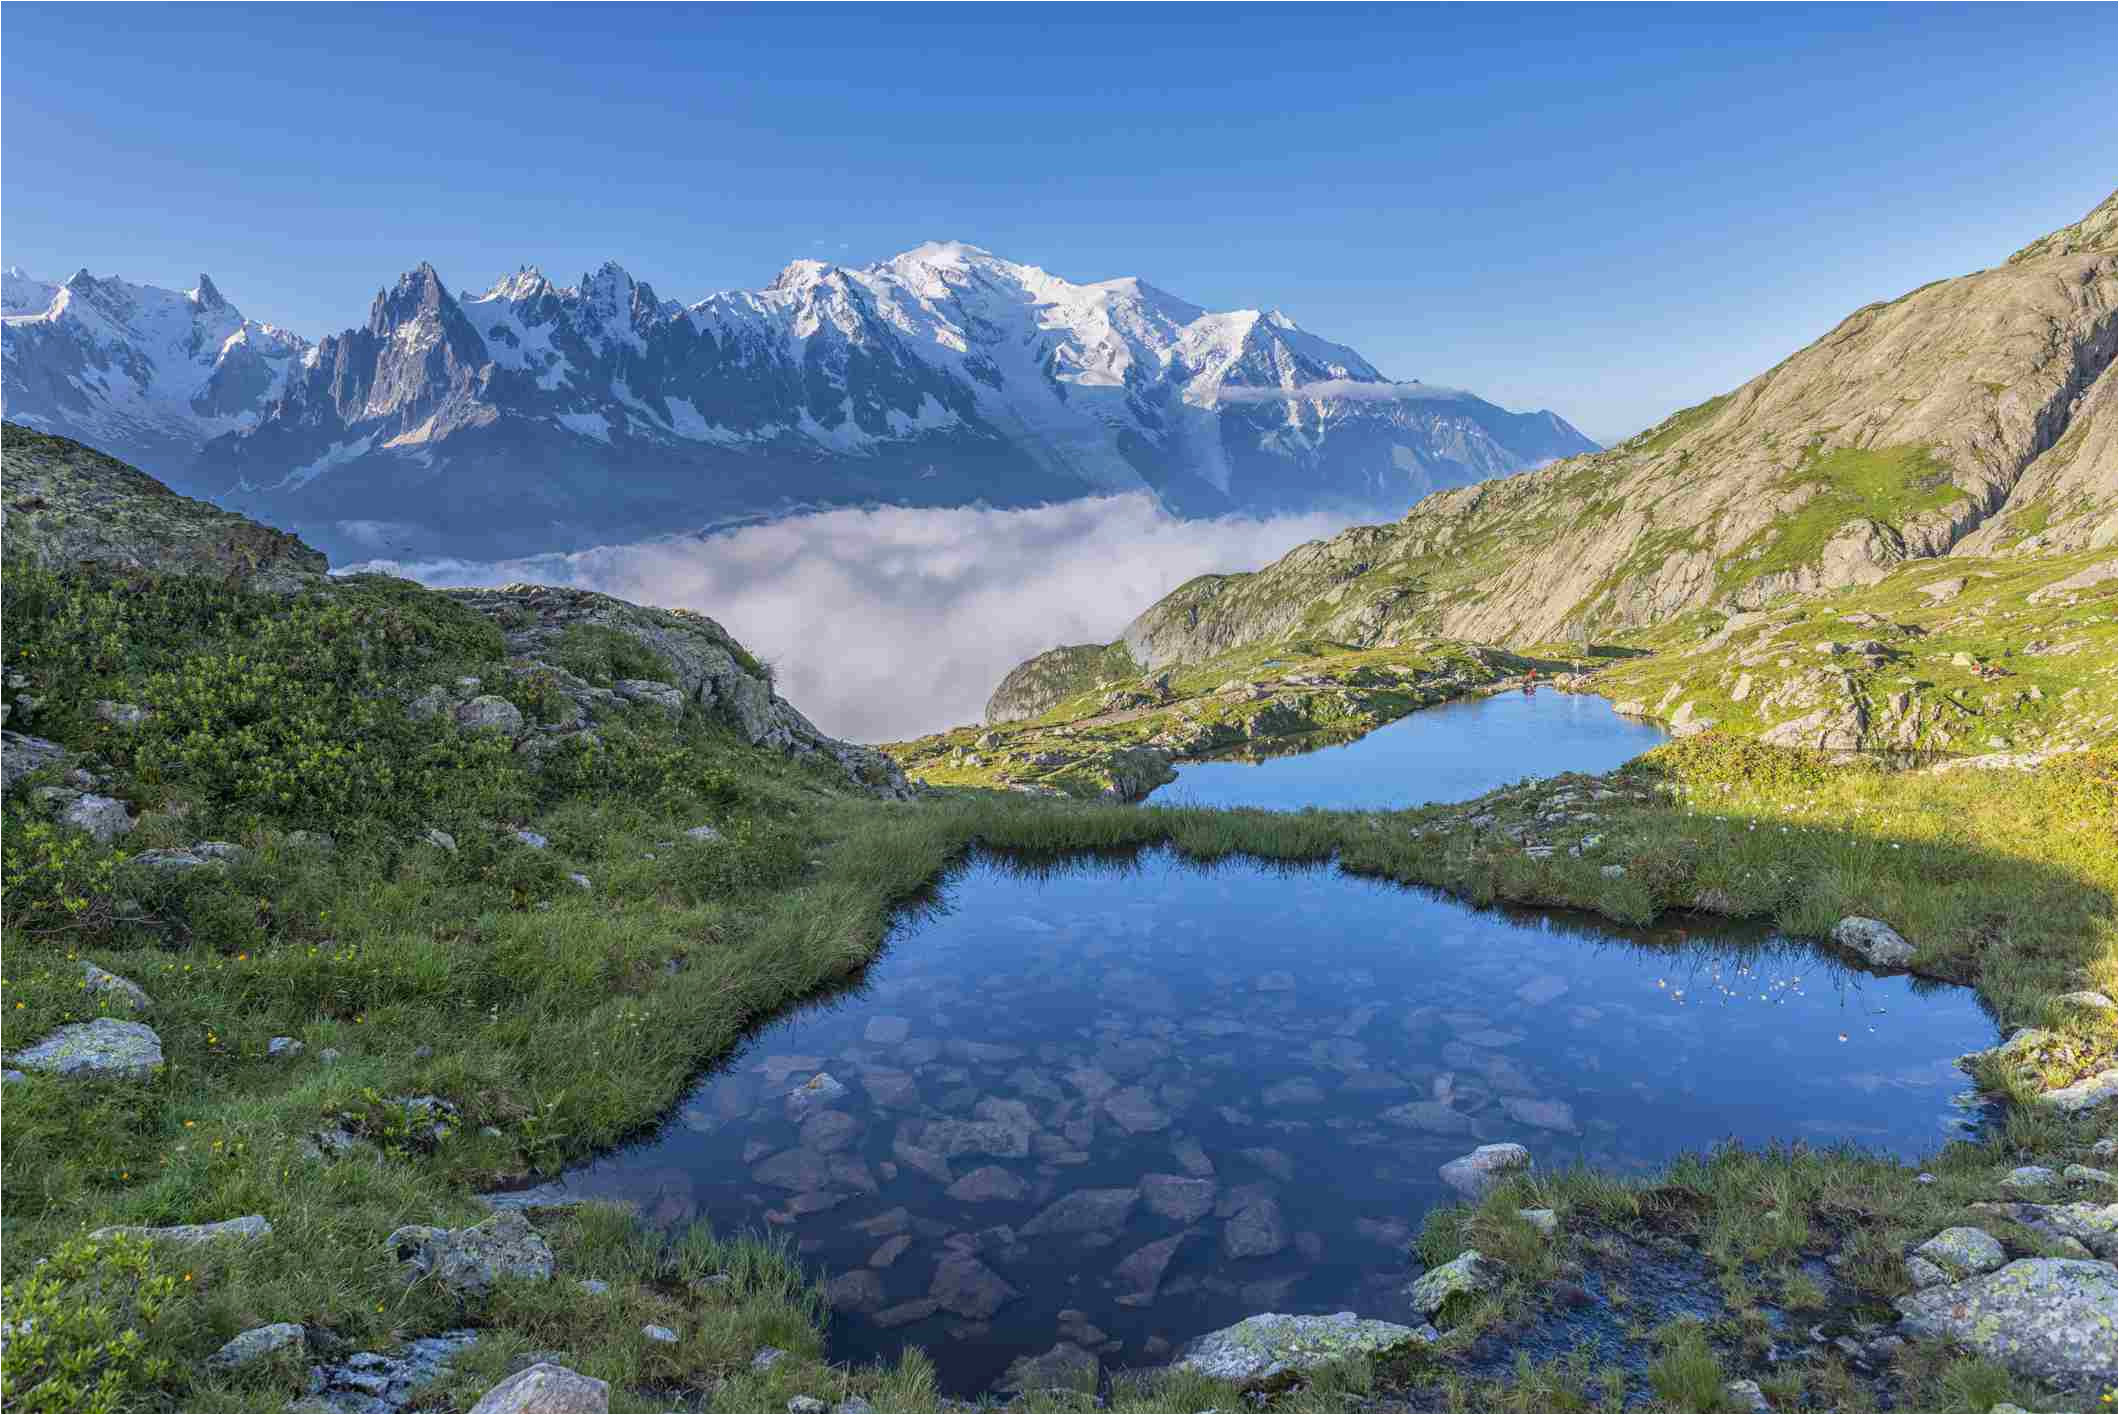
[(1608, 210)]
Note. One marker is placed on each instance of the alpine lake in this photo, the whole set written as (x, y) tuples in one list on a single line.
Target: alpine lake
[(1123, 1101)]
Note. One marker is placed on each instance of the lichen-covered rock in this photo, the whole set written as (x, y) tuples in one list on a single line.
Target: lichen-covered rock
[(70, 506), (1467, 1274), (707, 667), (1066, 1367), (246, 1229), (1876, 941), (489, 712), (1474, 1175), (470, 1260), (2029, 1176), (258, 1344), (2048, 1319), (114, 992), (1273, 1346), (2094, 1226), (546, 1389), (2086, 1094), (104, 817), (101, 1048), (1961, 1252), (21, 755)]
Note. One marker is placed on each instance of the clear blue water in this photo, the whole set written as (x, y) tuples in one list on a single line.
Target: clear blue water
[(1452, 752), (1266, 1065)]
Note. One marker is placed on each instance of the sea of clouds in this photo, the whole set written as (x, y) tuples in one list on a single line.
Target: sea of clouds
[(887, 624)]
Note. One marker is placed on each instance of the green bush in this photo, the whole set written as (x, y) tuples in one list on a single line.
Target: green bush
[(54, 878), (79, 1327), (1718, 759)]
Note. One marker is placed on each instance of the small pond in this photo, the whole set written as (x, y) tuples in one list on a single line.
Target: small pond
[(1451, 752), (1128, 1102)]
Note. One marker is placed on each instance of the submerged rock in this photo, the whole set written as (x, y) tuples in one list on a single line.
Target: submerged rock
[(1256, 1230), (1085, 1211), (1272, 1346), (964, 1285), (2048, 1319)]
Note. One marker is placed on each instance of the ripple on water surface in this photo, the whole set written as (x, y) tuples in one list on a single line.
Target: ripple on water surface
[(1122, 1105), (1451, 752)]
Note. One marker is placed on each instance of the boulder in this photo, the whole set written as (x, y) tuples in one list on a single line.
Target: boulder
[(113, 991), (21, 755), (546, 1387), (1475, 1175), (1273, 1347), (103, 1048), (1962, 1252), (259, 1343), (1084, 1211), (2046, 1319), (2086, 1094), (964, 1285), (1256, 1230), (663, 697), (104, 817), (1066, 1367), (1469, 1273), (488, 711), (470, 1260), (989, 1184), (662, 1335), (1875, 941)]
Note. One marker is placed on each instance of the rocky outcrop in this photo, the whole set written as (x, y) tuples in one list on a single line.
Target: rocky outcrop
[(1039, 684), (707, 667), (70, 506), (1273, 1348), (2048, 1319)]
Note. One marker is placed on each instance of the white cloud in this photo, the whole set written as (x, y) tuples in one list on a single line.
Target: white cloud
[(892, 623)]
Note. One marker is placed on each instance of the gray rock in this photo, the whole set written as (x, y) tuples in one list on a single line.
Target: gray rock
[(244, 1229), (371, 1381), (593, 1287), (2094, 1226), (431, 704), (1475, 1175), (490, 712), (766, 1357), (103, 817), (1254, 1231), (2092, 1001), (9, 1076), (1085, 1211), (546, 1389), (113, 990), (1961, 1252), (1923, 1273), (1273, 1346), (2047, 1319), (2085, 1094), (665, 698), (989, 1184), (816, 1093), (1613, 871), (580, 881), (2029, 1176), (283, 1048), (964, 1285), (471, 1260), (20, 756), (2083, 1174), (1467, 1273), (1876, 941), (1140, 1275), (805, 1405), (704, 834), (1746, 1395), (259, 1343), (661, 1334), (98, 1049), (1066, 1367), (329, 1055), (532, 839), (440, 840), (1176, 1197), (120, 714), (853, 1406)]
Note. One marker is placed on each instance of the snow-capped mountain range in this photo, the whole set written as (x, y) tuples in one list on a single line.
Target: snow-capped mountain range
[(537, 416)]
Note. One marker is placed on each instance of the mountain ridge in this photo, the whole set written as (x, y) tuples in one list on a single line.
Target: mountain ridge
[(533, 416), (1970, 417)]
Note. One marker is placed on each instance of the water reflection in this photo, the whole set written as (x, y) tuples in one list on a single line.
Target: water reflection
[(1121, 1103), (1452, 752)]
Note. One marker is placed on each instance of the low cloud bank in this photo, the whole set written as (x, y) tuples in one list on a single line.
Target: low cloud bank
[(888, 624)]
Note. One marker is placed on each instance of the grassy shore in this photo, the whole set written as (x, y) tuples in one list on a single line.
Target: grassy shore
[(558, 1018)]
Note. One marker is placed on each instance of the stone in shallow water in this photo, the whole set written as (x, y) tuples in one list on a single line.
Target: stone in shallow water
[(989, 1184), (964, 1285), (1475, 1175), (1191, 1158), (1272, 1346), (795, 1170), (814, 1094), (1136, 1111), (1179, 1198), (1467, 1273), (1000, 1139), (1085, 1211), (887, 1031), (1272, 1161), (857, 1291), (1545, 1115), (1546, 987), (1066, 1367), (890, 1251), (1961, 1252), (1141, 1274), (2049, 1319), (1875, 941), (829, 1130), (1255, 1231), (1299, 1090), (1431, 1116), (1093, 1082)]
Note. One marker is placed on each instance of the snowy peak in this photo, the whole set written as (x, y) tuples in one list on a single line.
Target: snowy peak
[(205, 295)]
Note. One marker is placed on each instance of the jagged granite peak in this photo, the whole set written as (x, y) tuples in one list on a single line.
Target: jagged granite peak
[(1971, 417), (143, 372), (534, 416)]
